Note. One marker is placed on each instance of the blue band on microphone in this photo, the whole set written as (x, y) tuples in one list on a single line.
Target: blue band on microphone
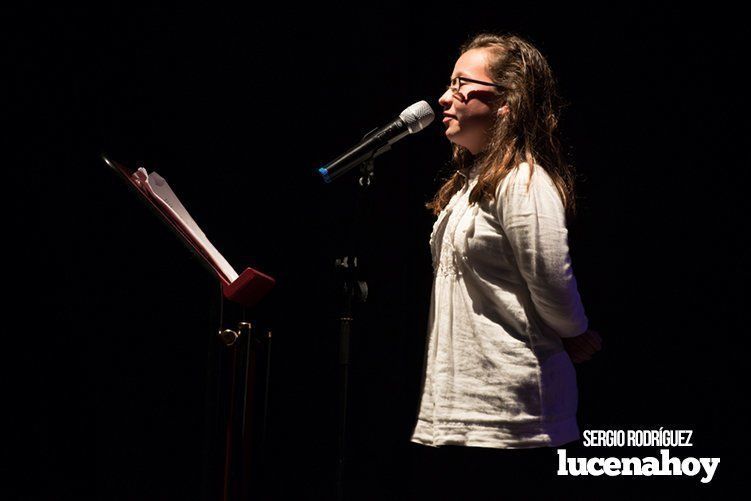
[(325, 173)]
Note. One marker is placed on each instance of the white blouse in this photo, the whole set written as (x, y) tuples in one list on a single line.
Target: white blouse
[(504, 293)]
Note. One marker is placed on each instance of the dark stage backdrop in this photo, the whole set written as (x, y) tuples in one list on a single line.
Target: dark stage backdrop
[(110, 316)]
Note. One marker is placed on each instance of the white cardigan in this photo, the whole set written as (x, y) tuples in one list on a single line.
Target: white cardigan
[(504, 293)]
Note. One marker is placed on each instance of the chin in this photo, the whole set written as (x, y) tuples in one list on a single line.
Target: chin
[(453, 139)]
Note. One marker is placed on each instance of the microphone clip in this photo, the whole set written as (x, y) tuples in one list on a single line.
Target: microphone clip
[(367, 167)]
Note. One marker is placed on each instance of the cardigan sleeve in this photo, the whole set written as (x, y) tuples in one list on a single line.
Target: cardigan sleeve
[(534, 223)]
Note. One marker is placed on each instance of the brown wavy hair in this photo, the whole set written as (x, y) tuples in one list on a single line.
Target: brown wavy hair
[(527, 133)]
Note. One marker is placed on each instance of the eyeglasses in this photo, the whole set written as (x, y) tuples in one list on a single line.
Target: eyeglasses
[(457, 82)]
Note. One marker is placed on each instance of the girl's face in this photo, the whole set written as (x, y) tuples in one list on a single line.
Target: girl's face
[(468, 112)]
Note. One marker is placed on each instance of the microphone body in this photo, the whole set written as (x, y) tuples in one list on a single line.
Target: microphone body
[(411, 120)]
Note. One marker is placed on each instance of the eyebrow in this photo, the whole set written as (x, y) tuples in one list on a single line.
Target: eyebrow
[(465, 75)]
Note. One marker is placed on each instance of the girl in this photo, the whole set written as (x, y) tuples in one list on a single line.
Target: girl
[(506, 319)]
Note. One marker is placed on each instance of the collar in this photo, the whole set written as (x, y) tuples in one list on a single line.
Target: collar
[(468, 173)]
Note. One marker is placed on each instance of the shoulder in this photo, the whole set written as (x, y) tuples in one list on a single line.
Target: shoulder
[(528, 190), (525, 176)]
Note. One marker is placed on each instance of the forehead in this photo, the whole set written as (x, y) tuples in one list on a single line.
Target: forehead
[(471, 64)]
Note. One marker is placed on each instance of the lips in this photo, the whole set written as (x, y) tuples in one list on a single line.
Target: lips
[(446, 118)]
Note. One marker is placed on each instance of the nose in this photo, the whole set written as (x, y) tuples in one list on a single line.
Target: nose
[(445, 99)]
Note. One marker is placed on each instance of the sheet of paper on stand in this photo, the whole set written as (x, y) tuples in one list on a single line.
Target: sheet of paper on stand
[(160, 192)]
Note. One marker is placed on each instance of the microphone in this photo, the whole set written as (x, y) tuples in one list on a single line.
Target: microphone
[(413, 119)]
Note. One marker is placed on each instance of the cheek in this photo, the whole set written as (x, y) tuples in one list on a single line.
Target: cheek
[(478, 115)]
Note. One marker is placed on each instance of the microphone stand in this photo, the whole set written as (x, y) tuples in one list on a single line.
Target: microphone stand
[(353, 289)]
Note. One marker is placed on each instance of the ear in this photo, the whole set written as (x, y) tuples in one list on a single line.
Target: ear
[(503, 110)]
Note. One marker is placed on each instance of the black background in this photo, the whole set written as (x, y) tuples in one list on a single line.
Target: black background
[(110, 315)]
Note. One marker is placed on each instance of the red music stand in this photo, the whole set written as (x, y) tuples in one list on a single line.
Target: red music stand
[(240, 359)]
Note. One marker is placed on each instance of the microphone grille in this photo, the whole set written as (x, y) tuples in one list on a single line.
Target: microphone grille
[(418, 116)]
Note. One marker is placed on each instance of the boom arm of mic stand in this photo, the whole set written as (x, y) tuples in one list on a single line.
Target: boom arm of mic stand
[(365, 160)]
